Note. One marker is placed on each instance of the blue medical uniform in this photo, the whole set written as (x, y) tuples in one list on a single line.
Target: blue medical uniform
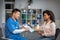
[(11, 25)]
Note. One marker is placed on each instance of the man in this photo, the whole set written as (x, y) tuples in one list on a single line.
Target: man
[(13, 27)]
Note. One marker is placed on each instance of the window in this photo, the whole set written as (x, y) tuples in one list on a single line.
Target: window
[(9, 6), (9, 0)]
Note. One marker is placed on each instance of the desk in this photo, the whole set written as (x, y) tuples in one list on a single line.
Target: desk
[(30, 36)]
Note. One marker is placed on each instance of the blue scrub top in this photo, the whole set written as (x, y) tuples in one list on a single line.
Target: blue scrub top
[(11, 25)]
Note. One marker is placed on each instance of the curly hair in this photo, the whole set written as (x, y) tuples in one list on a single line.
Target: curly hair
[(49, 12)]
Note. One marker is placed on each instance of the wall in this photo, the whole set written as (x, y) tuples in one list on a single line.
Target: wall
[(2, 12), (53, 5), (37, 4)]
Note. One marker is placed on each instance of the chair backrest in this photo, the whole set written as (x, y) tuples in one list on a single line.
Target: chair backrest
[(1, 35), (3, 32), (57, 32), (3, 29), (58, 38)]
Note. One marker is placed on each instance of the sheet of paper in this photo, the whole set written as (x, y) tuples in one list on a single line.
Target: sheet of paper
[(30, 29)]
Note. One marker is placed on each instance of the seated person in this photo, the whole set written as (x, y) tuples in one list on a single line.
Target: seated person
[(13, 30), (47, 30)]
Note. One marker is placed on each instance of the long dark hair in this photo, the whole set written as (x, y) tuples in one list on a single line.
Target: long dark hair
[(49, 12)]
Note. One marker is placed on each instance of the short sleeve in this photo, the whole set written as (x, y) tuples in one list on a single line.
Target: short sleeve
[(11, 27)]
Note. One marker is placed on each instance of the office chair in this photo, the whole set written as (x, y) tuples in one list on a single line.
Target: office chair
[(2, 32), (57, 33)]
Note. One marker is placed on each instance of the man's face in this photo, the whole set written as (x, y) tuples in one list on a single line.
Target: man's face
[(17, 15)]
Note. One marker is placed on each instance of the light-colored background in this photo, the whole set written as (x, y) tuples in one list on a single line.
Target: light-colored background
[(53, 5)]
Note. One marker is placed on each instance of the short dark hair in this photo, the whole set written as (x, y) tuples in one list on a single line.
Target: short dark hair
[(49, 12), (15, 10)]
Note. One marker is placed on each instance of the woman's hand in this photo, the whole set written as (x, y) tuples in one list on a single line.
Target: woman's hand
[(40, 32), (36, 28), (26, 29)]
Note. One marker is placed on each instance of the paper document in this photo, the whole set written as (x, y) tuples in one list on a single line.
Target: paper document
[(30, 29)]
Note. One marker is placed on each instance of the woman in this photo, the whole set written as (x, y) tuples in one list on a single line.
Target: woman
[(47, 30)]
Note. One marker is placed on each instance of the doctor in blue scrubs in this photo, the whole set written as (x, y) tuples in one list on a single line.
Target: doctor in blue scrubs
[(13, 30)]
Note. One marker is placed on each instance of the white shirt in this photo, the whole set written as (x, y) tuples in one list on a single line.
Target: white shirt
[(19, 30), (49, 29)]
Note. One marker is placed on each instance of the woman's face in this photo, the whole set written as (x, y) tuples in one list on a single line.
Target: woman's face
[(46, 16)]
